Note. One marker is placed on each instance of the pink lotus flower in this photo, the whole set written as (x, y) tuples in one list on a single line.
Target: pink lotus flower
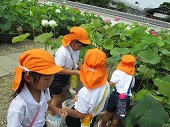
[(76, 8), (106, 20), (154, 33), (141, 24), (117, 18)]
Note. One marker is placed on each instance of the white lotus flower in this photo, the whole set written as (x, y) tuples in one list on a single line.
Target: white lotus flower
[(45, 23), (53, 23), (57, 11)]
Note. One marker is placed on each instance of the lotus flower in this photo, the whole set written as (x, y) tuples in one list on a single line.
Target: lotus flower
[(76, 8), (117, 18), (154, 33), (45, 23), (53, 23), (57, 11), (106, 20)]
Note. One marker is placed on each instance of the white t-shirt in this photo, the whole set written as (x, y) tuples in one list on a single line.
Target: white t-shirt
[(63, 57), (122, 81), (24, 107), (88, 100)]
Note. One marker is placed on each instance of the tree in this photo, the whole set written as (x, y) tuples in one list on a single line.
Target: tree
[(122, 7)]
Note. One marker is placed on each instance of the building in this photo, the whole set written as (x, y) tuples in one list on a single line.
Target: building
[(158, 13)]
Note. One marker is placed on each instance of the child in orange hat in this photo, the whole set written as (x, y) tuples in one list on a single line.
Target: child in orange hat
[(31, 98), (90, 98), (123, 80), (67, 56)]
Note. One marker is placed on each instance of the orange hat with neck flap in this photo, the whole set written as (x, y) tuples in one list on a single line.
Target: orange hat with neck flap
[(93, 71), (127, 64), (76, 33), (35, 60)]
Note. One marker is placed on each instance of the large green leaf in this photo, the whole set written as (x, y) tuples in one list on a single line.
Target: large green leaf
[(113, 59), (96, 23), (43, 37), (165, 51), (108, 44), (163, 86), (166, 64), (139, 95), (160, 43), (119, 51), (145, 72), (149, 112), (166, 78), (57, 44), (20, 38), (149, 56), (149, 40), (110, 31), (5, 23), (138, 47), (122, 37), (125, 44)]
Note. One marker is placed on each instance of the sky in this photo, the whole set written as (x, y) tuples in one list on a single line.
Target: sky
[(148, 3)]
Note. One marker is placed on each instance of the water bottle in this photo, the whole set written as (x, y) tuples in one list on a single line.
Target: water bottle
[(73, 81), (85, 122), (121, 106)]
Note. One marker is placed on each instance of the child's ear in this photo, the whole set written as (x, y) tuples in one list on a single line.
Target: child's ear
[(28, 78)]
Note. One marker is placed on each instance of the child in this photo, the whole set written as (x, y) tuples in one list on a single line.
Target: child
[(32, 78), (67, 56), (91, 98), (122, 77)]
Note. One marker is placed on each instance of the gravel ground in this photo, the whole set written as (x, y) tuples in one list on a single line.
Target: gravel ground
[(6, 81)]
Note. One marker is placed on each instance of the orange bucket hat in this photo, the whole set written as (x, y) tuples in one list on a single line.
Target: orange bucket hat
[(76, 33), (93, 71), (127, 64), (35, 60)]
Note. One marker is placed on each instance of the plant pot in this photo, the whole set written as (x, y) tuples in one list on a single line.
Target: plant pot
[(31, 36), (64, 31), (7, 38)]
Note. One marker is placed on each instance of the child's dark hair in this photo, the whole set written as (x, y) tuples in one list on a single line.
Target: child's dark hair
[(36, 76), (82, 44)]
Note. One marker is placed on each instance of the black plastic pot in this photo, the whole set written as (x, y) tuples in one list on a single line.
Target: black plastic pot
[(7, 38)]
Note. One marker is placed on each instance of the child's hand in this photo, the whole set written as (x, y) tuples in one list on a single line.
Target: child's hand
[(62, 112), (73, 92), (77, 72), (75, 98)]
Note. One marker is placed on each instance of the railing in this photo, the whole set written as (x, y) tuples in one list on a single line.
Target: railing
[(114, 13)]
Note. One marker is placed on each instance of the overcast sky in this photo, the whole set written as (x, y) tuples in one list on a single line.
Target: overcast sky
[(148, 3)]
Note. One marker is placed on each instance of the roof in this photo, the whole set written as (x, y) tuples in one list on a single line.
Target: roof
[(162, 10)]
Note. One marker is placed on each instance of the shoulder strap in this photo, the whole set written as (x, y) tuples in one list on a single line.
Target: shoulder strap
[(105, 91), (130, 86), (35, 116)]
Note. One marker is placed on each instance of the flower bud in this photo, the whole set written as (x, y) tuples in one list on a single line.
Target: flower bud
[(57, 11), (53, 23), (45, 23)]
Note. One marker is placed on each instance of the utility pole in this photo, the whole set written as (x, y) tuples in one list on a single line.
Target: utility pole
[(137, 7)]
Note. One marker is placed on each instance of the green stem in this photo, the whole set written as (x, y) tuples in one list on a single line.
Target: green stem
[(45, 45), (33, 32), (54, 32)]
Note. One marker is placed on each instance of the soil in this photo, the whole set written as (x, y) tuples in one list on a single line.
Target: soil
[(6, 81)]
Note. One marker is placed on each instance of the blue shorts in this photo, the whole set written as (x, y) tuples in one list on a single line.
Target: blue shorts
[(112, 102), (59, 81)]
